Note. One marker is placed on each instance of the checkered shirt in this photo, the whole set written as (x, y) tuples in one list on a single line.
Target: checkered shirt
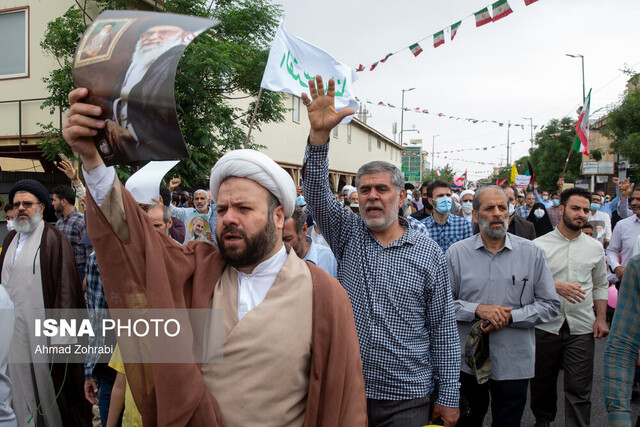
[(622, 348), (454, 229), (554, 216), (73, 227), (400, 295), (523, 211), (97, 307), (417, 225)]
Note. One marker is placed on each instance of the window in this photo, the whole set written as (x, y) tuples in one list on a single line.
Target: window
[(391, 154), (14, 43), (349, 134), (296, 109), (385, 147), (335, 132), (370, 142), (379, 145)]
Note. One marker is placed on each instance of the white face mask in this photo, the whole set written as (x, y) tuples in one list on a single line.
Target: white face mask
[(10, 225), (539, 213), (467, 207), (512, 209)]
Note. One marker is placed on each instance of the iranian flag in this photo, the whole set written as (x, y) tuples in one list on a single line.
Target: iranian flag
[(375, 64), (581, 143), (482, 17), (454, 29), (528, 2), (438, 38), (437, 172), (386, 57), (415, 49), (360, 68), (501, 9)]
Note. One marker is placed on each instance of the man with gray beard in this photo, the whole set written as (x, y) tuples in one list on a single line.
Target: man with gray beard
[(38, 270), (143, 108), (502, 288)]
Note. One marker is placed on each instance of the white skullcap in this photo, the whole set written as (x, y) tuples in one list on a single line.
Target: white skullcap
[(257, 167), (351, 191), (465, 192), (455, 196), (348, 188)]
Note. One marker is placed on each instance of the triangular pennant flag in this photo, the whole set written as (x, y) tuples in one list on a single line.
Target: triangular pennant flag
[(375, 64), (360, 68), (386, 57), (438, 38), (501, 9), (482, 17), (454, 29), (415, 49)]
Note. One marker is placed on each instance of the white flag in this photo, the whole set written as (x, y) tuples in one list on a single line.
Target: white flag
[(293, 61)]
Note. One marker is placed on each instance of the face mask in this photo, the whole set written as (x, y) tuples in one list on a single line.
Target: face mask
[(539, 213), (354, 205), (467, 207), (512, 209), (595, 206), (545, 198), (443, 205), (556, 202), (10, 225), (426, 204)]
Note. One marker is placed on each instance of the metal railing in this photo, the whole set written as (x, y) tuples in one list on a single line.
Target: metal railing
[(20, 102)]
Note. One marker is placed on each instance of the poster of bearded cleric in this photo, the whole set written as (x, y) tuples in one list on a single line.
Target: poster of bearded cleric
[(128, 61)]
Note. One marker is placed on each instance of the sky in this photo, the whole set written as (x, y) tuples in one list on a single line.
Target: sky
[(506, 70)]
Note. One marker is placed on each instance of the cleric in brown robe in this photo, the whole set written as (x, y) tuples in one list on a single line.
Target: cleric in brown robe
[(291, 352), (38, 269)]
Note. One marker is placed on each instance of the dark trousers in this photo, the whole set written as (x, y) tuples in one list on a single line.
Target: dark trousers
[(104, 399), (398, 413), (508, 399), (574, 353)]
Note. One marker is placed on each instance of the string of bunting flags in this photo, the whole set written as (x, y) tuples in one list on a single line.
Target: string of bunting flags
[(500, 9), (421, 110)]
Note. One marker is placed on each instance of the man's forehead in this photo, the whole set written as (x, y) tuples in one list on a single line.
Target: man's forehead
[(25, 196), (240, 188), (163, 28), (375, 178)]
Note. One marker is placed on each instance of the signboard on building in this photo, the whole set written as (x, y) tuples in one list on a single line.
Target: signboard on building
[(412, 164), (595, 168)]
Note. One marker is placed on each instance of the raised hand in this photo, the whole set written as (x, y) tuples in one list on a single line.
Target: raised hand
[(80, 124), (173, 184), (323, 116), (68, 169)]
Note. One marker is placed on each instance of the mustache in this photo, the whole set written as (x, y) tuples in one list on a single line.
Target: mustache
[(232, 229)]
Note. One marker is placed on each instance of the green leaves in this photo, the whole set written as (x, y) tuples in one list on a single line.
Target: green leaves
[(623, 127)]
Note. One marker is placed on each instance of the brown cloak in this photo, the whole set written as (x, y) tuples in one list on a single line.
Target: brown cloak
[(61, 288), (141, 267)]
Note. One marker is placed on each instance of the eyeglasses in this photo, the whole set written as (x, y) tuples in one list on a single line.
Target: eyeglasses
[(27, 205)]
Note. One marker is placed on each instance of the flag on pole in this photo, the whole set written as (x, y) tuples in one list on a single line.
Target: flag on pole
[(482, 17), (438, 38), (530, 172), (437, 172), (415, 49), (581, 144), (293, 62), (501, 9), (454, 29), (514, 172)]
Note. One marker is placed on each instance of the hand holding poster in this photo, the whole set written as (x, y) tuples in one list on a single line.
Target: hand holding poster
[(127, 60)]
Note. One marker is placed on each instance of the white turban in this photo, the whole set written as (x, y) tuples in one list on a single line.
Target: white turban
[(348, 188), (465, 192), (257, 167), (351, 191)]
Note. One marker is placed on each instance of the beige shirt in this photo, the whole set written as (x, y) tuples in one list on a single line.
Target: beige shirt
[(580, 261)]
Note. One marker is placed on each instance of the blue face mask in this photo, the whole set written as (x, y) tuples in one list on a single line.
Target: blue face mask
[(443, 205), (556, 202), (595, 206)]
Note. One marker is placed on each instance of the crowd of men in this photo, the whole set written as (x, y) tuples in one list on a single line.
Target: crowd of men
[(364, 306)]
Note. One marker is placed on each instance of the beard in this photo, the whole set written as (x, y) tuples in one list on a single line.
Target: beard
[(382, 222), (485, 227), (256, 248), (148, 54), (26, 226), (570, 224), (202, 209)]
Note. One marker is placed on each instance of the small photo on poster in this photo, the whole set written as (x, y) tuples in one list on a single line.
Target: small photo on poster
[(128, 60), (198, 229)]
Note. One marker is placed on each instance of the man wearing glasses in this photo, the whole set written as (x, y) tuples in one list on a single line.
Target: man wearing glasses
[(38, 270)]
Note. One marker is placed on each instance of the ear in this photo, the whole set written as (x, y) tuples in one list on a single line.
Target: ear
[(170, 223), (403, 195), (474, 213), (278, 217), (304, 229)]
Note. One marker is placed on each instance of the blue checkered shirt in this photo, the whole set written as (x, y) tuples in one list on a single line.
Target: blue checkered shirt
[(400, 296), (622, 348), (454, 229), (522, 211), (98, 310), (73, 227)]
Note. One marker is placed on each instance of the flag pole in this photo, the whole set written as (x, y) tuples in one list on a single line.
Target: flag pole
[(566, 163), (253, 117)]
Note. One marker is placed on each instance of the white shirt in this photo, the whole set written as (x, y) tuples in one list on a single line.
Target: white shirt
[(22, 239), (580, 261), (253, 288), (636, 247), (622, 241)]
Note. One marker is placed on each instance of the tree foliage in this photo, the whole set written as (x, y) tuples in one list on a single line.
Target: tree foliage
[(623, 127), (220, 65), (446, 174)]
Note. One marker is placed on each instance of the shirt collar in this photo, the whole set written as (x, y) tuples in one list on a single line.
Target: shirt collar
[(480, 244), (409, 235), (268, 266), (312, 253)]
